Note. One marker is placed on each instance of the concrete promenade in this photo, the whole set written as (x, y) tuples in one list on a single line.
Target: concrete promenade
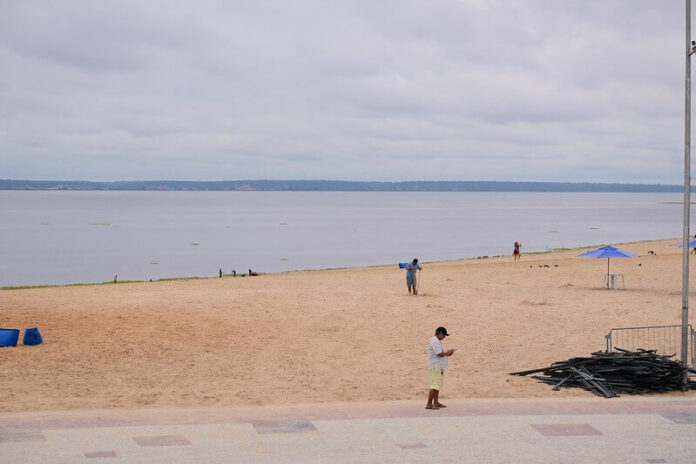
[(589, 430)]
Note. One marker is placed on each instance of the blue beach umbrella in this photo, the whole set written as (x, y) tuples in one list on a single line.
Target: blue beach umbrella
[(607, 252), (692, 244)]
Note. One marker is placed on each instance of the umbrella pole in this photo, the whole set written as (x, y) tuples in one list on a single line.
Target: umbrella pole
[(607, 272)]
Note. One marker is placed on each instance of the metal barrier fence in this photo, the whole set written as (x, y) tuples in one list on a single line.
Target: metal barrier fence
[(665, 339)]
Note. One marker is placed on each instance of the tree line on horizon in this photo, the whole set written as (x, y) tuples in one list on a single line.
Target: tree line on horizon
[(335, 185)]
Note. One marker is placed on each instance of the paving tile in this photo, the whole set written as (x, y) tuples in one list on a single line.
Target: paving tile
[(565, 430), (162, 440), (681, 417), (648, 431), (19, 437), (100, 454), (283, 427), (415, 445)]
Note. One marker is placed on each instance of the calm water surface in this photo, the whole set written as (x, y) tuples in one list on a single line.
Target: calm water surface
[(58, 237)]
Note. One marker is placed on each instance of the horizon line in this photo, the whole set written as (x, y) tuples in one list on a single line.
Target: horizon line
[(346, 181)]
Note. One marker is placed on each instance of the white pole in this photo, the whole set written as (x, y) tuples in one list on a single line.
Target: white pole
[(687, 189)]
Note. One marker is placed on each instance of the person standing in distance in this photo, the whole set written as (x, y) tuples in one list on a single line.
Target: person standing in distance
[(437, 363), (411, 275), (516, 251)]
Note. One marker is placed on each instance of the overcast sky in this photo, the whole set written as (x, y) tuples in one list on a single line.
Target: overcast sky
[(526, 90)]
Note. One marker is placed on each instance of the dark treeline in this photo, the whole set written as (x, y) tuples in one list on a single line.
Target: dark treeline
[(334, 185)]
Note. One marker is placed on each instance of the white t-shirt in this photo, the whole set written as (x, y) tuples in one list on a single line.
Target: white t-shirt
[(434, 348)]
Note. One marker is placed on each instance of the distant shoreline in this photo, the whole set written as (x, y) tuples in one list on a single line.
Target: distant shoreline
[(243, 275), (336, 186)]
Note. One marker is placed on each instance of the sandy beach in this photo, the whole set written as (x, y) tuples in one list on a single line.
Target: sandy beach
[(327, 336)]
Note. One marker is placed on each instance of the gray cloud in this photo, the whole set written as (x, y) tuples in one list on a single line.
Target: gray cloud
[(390, 90)]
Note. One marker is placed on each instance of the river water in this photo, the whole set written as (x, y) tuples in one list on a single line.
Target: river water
[(60, 237)]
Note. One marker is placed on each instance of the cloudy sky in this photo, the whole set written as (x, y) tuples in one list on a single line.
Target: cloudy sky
[(528, 90)]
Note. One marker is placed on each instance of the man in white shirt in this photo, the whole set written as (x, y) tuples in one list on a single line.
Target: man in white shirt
[(437, 363)]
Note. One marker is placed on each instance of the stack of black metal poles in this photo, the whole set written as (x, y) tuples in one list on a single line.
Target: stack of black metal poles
[(609, 373)]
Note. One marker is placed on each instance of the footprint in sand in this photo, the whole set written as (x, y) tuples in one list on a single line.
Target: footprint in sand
[(530, 303)]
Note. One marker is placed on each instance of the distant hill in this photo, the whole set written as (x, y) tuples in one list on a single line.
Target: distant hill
[(335, 185)]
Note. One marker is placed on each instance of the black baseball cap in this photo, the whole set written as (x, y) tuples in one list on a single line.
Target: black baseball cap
[(442, 330)]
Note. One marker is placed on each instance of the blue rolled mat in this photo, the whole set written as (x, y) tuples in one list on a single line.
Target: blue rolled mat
[(9, 337), (32, 337), (402, 265)]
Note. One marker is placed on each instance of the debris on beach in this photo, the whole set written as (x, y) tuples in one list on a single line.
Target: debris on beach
[(609, 373)]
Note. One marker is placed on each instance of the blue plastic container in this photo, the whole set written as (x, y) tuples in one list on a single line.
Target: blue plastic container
[(32, 337), (9, 337), (403, 265)]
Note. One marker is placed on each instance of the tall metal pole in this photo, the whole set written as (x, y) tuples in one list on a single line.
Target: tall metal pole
[(687, 189)]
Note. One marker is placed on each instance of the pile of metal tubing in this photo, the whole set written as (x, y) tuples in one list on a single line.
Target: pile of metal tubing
[(609, 373)]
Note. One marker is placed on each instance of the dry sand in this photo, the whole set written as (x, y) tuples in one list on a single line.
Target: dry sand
[(326, 336)]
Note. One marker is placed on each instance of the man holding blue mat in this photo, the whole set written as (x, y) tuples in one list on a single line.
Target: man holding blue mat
[(411, 281)]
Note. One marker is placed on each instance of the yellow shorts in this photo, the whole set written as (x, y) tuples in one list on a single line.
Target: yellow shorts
[(436, 376)]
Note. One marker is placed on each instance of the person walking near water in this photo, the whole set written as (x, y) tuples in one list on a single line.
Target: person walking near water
[(437, 363), (516, 251), (411, 279)]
